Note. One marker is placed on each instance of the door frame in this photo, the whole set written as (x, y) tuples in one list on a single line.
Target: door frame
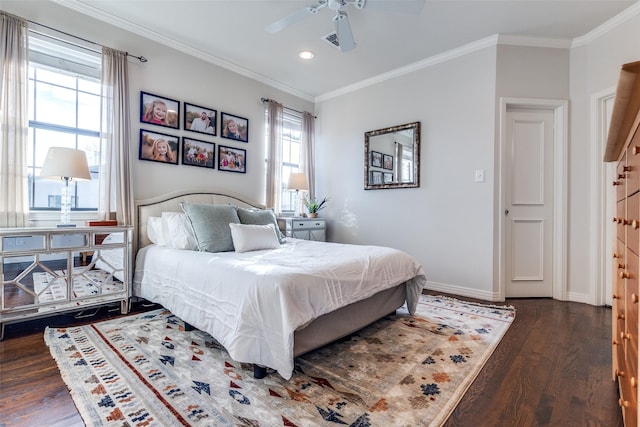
[(602, 196), (560, 108)]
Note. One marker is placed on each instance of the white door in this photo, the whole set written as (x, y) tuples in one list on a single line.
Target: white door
[(528, 204)]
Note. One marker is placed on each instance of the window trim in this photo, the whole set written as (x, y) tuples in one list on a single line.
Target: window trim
[(47, 53), (290, 116)]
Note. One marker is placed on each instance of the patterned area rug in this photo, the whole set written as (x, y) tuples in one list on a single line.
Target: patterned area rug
[(400, 371)]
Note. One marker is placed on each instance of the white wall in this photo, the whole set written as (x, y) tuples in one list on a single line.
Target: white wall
[(175, 75), (446, 223), (595, 67)]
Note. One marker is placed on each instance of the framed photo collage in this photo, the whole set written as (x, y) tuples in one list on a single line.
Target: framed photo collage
[(191, 150)]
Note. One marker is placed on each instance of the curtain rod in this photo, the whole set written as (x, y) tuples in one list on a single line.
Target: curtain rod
[(139, 58), (268, 99)]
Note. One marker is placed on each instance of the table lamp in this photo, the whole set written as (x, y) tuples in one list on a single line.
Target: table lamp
[(297, 182), (65, 164)]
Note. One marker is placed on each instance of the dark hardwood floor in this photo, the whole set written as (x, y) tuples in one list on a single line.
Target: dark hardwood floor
[(552, 368)]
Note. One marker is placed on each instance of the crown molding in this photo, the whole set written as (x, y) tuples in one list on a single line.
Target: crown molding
[(138, 29), (630, 12), (549, 42), (425, 63), (494, 40)]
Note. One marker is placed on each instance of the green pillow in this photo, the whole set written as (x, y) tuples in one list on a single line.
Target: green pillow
[(211, 225), (259, 217)]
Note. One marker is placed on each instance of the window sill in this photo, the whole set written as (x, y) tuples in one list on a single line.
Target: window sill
[(48, 218)]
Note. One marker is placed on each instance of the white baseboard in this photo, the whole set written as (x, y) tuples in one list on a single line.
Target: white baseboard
[(580, 297), (493, 296), (463, 291)]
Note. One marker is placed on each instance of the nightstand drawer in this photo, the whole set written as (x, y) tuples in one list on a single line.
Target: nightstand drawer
[(306, 224)]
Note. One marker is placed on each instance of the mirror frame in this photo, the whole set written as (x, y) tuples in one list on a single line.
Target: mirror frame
[(416, 156)]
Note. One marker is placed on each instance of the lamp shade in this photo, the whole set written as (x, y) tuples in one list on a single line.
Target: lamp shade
[(65, 163), (298, 181)]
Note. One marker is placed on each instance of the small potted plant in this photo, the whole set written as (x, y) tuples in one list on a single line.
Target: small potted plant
[(314, 206)]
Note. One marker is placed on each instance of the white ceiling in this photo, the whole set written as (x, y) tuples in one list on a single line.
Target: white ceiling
[(231, 33)]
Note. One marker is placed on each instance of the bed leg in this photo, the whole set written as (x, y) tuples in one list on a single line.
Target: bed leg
[(188, 327), (259, 372)]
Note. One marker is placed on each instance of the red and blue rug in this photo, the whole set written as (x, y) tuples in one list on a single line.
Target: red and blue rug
[(146, 370)]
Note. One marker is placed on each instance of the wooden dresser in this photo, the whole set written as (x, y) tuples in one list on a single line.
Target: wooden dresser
[(623, 147)]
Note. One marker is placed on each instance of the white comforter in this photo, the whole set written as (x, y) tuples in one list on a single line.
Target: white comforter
[(253, 302)]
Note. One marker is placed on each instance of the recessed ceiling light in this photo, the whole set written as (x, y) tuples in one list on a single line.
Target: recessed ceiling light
[(306, 54)]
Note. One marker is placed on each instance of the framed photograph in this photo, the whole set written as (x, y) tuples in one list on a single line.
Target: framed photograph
[(387, 161), (388, 177), (158, 147), (234, 127), (376, 177), (376, 159), (158, 110), (232, 159), (200, 119), (198, 153)]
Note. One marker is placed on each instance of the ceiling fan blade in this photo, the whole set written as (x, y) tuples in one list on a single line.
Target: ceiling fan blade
[(343, 31), (412, 7), (294, 18)]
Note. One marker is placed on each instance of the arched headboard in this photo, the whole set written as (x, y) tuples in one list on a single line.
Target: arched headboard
[(171, 203)]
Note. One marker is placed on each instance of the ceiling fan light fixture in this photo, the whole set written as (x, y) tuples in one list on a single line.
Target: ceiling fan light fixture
[(335, 4), (343, 37), (307, 54)]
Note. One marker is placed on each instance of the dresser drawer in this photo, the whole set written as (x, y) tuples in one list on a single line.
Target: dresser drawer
[(306, 224), (619, 265), (630, 335), (632, 171), (632, 222), (621, 212), (619, 327), (620, 180), (628, 401), (619, 352)]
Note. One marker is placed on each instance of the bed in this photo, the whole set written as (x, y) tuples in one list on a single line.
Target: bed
[(268, 305)]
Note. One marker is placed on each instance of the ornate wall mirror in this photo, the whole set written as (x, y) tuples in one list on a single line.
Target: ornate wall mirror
[(392, 157)]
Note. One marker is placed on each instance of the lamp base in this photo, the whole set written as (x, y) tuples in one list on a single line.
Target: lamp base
[(65, 206)]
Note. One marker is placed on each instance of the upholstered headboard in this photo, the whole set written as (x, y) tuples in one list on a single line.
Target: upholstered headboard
[(171, 203)]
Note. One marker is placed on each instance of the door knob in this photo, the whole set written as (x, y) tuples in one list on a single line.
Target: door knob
[(506, 211)]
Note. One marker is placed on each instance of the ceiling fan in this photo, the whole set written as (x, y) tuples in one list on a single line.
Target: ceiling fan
[(345, 38)]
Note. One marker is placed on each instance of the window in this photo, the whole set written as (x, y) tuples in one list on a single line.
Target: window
[(64, 110), (291, 148)]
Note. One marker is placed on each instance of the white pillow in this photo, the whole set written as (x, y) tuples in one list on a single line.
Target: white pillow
[(177, 231), (154, 230), (251, 237)]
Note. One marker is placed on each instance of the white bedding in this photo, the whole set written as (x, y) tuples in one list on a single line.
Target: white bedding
[(252, 302)]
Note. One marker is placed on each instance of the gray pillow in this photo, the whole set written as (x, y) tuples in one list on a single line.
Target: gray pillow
[(259, 217), (211, 225)]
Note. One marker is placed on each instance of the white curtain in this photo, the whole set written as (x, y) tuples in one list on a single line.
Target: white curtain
[(307, 161), (116, 196), (274, 154), (14, 63)]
